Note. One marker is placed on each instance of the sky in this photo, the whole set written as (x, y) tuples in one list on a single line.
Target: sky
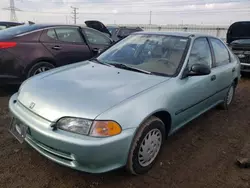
[(163, 12)]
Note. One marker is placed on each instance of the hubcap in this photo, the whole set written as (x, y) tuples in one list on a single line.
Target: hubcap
[(150, 147), (41, 69), (230, 95)]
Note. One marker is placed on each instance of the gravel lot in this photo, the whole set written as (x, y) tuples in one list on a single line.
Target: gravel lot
[(200, 155)]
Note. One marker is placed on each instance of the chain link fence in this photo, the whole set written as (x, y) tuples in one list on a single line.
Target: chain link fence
[(217, 31)]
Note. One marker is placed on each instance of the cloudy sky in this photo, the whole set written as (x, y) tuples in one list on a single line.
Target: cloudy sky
[(131, 11)]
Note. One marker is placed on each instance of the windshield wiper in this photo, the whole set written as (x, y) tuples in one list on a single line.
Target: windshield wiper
[(97, 61), (127, 67)]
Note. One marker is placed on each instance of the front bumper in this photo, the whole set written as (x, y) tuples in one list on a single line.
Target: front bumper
[(84, 153)]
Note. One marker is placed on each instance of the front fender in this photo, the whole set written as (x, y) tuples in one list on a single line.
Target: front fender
[(132, 112)]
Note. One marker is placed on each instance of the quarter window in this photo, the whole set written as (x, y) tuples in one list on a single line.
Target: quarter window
[(220, 52), (51, 34), (96, 37), (200, 53)]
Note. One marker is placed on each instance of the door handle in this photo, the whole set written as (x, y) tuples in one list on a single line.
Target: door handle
[(233, 70), (213, 78), (56, 47)]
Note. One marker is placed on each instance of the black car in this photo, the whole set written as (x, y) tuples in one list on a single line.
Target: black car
[(29, 49), (118, 33), (5, 25), (238, 39)]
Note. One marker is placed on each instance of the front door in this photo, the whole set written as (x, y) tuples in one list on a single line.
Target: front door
[(195, 92), (66, 44)]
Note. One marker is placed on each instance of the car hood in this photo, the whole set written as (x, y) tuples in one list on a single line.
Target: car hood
[(238, 30), (98, 26), (83, 90)]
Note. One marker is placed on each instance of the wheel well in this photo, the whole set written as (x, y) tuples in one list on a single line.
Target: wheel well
[(37, 61), (236, 81), (166, 118)]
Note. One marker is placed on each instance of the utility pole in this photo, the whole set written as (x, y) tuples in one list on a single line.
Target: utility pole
[(150, 19), (12, 10), (66, 18), (74, 13)]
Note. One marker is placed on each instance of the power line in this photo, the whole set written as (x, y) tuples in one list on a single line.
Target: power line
[(189, 2), (74, 13), (240, 10)]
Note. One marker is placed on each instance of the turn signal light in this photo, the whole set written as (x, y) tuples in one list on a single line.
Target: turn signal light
[(105, 129)]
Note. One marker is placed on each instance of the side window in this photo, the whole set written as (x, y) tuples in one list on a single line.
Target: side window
[(69, 35), (220, 52), (96, 37), (200, 53)]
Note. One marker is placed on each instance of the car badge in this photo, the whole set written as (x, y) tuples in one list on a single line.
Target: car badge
[(32, 105), (241, 56)]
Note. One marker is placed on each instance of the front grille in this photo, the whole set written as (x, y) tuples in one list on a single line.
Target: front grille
[(244, 56)]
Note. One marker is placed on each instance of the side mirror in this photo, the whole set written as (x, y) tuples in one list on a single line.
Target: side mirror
[(197, 70)]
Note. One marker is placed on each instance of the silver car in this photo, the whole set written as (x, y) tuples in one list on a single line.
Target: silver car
[(117, 109)]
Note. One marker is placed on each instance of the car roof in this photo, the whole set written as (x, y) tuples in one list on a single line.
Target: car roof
[(179, 34), (41, 26)]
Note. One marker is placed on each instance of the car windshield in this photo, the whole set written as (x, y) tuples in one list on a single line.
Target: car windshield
[(159, 54), (17, 30)]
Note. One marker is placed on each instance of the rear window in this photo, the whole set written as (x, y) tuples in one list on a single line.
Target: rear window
[(17, 30)]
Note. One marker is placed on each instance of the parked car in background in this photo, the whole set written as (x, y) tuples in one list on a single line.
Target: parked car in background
[(118, 33), (238, 38), (117, 109), (30, 49), (5, 25)]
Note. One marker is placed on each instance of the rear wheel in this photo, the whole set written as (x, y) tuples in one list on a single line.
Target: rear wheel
[(39, 68), (146, 146), (229, 97)]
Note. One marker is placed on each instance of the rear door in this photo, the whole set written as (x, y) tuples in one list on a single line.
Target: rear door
[(96, 40), (67, 44), (223, 68)]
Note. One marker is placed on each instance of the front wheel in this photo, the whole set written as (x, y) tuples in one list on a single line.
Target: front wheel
[(146, 146)]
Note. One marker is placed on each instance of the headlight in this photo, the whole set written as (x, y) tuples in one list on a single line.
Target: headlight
[(88, 127), (76, 125)]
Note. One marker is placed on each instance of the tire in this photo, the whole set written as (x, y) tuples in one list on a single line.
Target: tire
[(229, 97), (153, 126), (39, 68)]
